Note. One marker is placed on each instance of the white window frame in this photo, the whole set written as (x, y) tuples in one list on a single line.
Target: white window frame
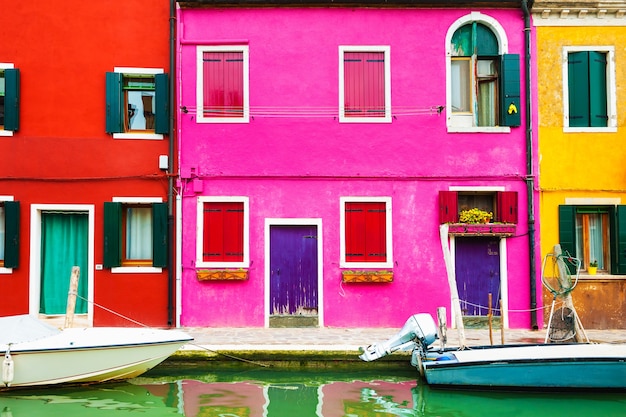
[(4, 66), (386, 49), (457, 123), (136, 269), (137, 71), (611, 94), (245, 263), (343, 263), (200, 50)]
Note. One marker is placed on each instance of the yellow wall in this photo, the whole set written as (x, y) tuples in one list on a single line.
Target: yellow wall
[(581, 165)]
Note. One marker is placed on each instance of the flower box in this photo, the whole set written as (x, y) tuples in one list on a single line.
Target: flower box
[(367, 276), (486, 229), (222, 274)]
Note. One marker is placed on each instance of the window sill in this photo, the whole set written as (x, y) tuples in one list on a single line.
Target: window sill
[(479, 129), (600, 276), (367, 276), (485, 229), (222, 274), (4, 270), (611, 129), (148, 136), (136, 270), (6, 132)]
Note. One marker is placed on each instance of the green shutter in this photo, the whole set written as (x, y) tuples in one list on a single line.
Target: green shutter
[(12, 234), (114, 103), (598, 116), (510, 104), (620, 253), (159, 235), (112, 234), (11, 99), (162, 105), (578, 91), (567, 232)]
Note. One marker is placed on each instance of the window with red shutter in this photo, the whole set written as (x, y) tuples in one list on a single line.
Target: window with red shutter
[(223, 84), (365, 84), (223, 232), (366, 231)]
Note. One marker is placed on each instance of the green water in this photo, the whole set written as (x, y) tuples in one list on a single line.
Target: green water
[(290, 393)]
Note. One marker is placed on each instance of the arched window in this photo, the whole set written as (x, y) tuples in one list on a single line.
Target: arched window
[(483, 80)]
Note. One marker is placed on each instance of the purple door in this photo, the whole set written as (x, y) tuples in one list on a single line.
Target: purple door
[(293, 270), (477, 267)]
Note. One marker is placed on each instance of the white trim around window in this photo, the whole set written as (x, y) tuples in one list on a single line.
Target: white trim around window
[(388, 235), (138, 71), (611, 94), (200, 117), (386, 49), (200, 231)]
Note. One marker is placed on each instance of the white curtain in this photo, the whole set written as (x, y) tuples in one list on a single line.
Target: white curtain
[(596, 252), (139, 233)]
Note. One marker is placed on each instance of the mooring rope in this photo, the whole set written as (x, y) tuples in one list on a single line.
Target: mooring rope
[(189, 343)]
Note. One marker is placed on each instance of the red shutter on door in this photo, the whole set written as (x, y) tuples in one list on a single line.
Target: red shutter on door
[(507, 206), (448, 207), (223, 84), (366, 230), (223, 232)]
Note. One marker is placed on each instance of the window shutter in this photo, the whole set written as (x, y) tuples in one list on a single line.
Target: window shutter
[(162, 104), (11, 99), (112, 225), (160, 235), (223, 84), (507, 206), (567, 232), (355, 232), (598, 115), (578, 91), (364, 84), (510, 103), (448, 207), (223, 232), (114, 103), (12, 234), (619, 255)]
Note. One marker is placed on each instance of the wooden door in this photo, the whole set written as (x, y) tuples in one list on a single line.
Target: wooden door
[(293, 271)]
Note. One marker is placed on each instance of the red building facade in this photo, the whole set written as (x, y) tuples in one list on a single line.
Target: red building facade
[(85, 150)]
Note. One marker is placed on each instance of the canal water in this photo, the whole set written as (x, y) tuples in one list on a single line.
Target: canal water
[(291, 393)]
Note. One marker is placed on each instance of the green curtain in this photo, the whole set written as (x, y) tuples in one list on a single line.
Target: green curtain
[(64, 244)]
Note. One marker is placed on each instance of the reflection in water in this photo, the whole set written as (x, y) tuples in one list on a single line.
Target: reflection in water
[(296, 394)]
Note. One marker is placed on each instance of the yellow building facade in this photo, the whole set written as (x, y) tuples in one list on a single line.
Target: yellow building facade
[(580, 126)]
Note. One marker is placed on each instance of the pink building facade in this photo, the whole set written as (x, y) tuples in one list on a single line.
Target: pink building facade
[(321, 151)]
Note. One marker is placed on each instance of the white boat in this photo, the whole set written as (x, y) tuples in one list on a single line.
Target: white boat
[(36, 353), (521, 366)]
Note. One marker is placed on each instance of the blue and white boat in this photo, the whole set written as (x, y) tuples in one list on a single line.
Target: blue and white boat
[(521, 366)]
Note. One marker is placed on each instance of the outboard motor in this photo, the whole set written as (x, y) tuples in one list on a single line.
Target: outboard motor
[(418, 331)]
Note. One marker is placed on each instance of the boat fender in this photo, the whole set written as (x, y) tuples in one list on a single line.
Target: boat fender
[(7, 368)]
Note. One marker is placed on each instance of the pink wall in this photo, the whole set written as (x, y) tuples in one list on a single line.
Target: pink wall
[(300, 166)]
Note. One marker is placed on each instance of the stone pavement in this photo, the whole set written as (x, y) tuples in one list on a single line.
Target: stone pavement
[(350, 339)]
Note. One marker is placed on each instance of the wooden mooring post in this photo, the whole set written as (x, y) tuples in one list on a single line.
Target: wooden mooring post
[(71, 297)]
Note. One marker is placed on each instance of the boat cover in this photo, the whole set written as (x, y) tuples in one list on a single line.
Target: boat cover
[(23, 328)]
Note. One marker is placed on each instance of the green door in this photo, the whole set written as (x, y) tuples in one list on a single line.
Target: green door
[(64, 244)]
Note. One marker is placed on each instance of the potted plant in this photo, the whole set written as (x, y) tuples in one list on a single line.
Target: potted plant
[(593, 267), (475, 216)]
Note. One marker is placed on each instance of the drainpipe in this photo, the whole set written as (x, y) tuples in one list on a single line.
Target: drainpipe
[(530, 178), (170, 171)]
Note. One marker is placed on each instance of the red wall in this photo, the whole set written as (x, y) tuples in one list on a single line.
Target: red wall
[(61, 153)]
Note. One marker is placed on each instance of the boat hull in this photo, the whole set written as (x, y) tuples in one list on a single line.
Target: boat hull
[(554, 366), (91, 355)]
